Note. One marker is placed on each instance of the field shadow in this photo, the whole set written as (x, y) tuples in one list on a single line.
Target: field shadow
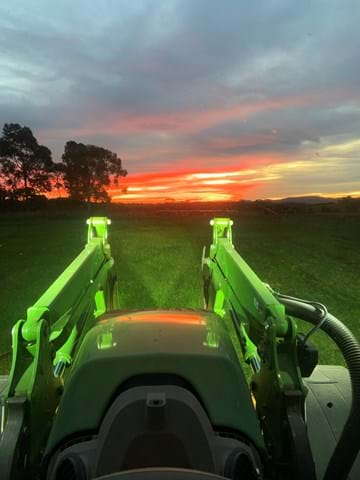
[(133, 291)]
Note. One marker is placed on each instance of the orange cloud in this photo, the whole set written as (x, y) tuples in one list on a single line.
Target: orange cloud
[(185, 186), (213, 185)]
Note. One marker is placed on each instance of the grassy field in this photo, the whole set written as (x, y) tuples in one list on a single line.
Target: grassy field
[(158, 262)]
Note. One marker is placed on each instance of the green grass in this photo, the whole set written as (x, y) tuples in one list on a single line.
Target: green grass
[(158, 262)]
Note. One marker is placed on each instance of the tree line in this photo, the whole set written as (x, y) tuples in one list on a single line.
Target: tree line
[(27, 169)]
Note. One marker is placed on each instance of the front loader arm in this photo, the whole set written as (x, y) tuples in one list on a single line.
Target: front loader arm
[(268, 340), (43, 347)]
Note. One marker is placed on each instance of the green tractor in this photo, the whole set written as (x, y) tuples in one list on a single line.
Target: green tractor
[(231, 391)]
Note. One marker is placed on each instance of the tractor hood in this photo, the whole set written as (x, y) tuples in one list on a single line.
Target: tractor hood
[(155, 347)]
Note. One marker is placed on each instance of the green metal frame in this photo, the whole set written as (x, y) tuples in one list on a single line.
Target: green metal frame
[(267, 337), (45, 343)]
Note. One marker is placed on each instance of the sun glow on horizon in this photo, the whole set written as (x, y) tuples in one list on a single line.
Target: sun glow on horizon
[(216, 175), (264, 176), (189, 186), (271, 178)]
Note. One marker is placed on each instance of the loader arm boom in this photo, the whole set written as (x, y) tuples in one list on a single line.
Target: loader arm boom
[(268, 340), (43, 346)]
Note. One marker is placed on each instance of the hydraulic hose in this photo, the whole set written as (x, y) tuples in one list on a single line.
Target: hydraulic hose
[(348, 446)]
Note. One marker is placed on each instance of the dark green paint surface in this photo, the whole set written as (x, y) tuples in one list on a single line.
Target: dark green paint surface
[(115, 351)]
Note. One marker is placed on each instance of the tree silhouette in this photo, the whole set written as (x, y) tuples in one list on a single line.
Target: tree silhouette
[(88, 170), (25, 166)]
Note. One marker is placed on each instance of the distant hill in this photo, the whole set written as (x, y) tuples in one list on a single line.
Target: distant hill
[(306, 200)]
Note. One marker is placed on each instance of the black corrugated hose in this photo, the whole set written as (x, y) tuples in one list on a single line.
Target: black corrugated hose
[(348, 446)]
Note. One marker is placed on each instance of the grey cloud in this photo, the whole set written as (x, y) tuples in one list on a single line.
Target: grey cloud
[(72, 63)]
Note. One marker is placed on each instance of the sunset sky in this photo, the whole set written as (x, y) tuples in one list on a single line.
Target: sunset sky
[(202, 99)]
